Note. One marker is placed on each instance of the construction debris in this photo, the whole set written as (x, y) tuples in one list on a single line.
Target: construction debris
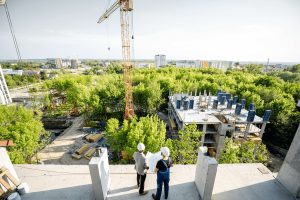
[(94, 137), (82, 149), (89, 154)]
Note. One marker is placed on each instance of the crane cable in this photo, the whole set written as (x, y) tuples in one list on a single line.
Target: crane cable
[(12, 32), (107, 28)]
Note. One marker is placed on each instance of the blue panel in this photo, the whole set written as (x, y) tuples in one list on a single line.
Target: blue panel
[(267, 115), (252, 106), (243, 102), (238, 109), (215, 104), (228, 96), (251, 116), (186, 105), (235, 99), (220, 96), (229, 104), (178, 104), (191, 104), (223, 100)]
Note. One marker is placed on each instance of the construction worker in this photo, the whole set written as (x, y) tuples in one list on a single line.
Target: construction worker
[(141, 167), (163, 173)]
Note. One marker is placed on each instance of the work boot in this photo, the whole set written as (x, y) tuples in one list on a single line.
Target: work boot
[(144, 193), (154, 196)]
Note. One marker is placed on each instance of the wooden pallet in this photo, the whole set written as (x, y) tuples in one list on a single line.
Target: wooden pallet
[(5, 179)]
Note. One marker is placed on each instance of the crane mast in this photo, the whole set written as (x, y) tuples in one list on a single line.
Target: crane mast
[(125, 6)]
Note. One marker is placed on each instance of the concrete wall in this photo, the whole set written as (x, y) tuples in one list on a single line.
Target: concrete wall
[(99, 170), (206, 170), (289, 174)]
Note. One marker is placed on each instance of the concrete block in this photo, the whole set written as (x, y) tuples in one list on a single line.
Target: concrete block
[(206, 169), (99, 170), (289, 174)]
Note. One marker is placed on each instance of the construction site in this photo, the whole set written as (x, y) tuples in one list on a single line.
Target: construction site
[(85, 127), (217, 117)]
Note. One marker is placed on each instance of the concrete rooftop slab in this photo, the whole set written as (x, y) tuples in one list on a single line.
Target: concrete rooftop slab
[(73, 182)]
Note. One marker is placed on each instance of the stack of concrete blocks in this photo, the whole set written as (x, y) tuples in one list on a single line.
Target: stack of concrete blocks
[(99, 170), (289, 174), (206, 170)]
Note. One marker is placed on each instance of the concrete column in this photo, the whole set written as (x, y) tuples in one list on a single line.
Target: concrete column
[(262, 130), (289, 174), (206, 170), (203, 134), (99, 170)]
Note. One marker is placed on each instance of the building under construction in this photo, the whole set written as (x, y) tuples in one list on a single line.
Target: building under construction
[(217, 117)]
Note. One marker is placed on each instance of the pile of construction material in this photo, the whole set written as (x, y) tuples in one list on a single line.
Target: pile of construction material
[(88, 149)]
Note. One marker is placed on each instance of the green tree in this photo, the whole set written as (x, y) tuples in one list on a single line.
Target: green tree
[(230, 152), (24, 127), (188, 144)]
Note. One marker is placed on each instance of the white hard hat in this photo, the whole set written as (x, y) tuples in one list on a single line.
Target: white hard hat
[(141, 147), (165, 151)]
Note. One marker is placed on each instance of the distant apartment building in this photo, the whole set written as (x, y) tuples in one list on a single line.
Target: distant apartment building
[(223, 65), (59, 62), (160, 60), (12, 72), (274, 68), (188, 63), (144, 65), (74, 63)]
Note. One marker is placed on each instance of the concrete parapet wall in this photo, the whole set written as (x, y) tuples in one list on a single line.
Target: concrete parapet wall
[(289, 174), (206, 169)]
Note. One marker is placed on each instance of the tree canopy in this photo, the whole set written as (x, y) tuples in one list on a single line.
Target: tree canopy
[(24, 127)]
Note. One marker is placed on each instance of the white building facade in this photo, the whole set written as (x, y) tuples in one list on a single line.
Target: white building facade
[(160, 60)]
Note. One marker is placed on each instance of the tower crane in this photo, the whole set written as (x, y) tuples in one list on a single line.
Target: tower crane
[(126, 6)]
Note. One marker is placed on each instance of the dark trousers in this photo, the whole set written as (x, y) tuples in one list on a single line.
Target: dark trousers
[(162, 178), (141, 182)]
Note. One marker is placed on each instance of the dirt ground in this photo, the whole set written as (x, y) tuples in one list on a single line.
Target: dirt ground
[(60, 150)]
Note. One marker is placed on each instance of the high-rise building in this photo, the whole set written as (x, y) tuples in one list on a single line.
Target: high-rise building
[(4, 92), (74, 63), (160, 60)]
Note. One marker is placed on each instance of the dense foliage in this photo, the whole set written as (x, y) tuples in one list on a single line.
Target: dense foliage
[(24, 127), (17, 81), (102, 97), (151, 131), (246, 152)]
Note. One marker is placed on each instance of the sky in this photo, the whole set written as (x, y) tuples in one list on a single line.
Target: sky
[(237, 30)]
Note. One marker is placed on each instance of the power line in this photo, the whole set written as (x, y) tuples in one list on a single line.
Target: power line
[(12, 32)]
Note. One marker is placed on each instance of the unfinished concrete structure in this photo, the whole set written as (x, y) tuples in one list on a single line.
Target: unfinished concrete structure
[(217, 117)]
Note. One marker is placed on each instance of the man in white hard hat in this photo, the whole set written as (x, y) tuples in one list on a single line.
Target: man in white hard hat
[(141, 167), (163, 173)]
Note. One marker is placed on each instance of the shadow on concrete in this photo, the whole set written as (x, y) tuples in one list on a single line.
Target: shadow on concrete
[(83, 192), (268, 190), (177, 192)]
